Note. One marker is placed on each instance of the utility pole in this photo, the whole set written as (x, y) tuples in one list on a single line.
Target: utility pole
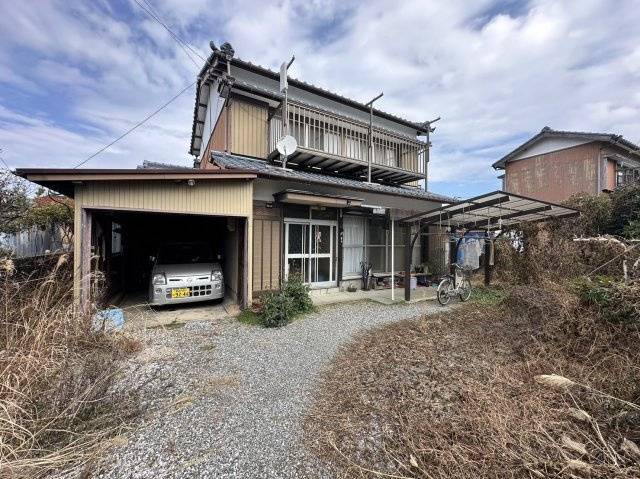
[(284, 86), (371, 149)]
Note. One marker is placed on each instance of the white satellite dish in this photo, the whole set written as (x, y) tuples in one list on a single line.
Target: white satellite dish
[(287, 145)]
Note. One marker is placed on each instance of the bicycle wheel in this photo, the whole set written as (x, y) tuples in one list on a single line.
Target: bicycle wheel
[(465, 290), (443, 291)]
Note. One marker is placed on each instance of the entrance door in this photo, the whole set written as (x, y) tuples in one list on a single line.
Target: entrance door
[(310, 251)]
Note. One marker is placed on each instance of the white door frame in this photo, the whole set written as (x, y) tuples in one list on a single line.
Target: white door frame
[(308, 256)]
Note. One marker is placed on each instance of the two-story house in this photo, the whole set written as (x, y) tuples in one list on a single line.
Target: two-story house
[(334, 205), (319, 216), (555, 165)]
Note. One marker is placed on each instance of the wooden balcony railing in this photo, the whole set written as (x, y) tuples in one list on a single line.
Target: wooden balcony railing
[(323, 132)]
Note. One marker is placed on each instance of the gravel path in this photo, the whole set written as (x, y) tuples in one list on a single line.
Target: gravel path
[(224, 399)]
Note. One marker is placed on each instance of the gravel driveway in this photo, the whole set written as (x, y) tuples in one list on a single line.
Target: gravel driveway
[(224, 399)]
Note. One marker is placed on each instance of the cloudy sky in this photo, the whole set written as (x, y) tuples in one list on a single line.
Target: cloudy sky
[(75, 75)]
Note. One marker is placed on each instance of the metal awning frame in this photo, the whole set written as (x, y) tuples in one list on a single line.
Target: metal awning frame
[(490, 211)]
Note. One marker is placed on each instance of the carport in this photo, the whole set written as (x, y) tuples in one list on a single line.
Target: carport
[(489, 212), (122, 216)]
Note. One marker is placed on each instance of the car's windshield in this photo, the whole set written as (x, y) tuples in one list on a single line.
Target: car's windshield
[(180, 253)]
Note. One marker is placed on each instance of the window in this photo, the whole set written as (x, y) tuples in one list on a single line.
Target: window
[(370, 239), (353, 244)]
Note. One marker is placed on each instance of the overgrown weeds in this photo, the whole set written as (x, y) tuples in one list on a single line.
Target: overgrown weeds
[(467, 394), (56, 409)]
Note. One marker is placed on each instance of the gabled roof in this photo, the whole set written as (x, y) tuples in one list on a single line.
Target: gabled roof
[(264, 169), (260, 70), (546, 132)]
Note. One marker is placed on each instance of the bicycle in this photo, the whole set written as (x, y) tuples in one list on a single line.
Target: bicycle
[(454, 284)]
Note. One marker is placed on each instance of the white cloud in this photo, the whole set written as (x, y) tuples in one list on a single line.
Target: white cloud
[(496, 73)]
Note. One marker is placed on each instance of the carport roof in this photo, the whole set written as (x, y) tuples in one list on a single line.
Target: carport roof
[(492, 211), (63, 180), (267, 170)]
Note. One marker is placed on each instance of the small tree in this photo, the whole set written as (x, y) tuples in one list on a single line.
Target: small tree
[(14, 203)]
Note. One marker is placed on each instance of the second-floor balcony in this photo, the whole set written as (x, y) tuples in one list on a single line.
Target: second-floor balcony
[(339, 145)]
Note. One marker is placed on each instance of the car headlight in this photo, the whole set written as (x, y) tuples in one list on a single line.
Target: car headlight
[(216, 276), (159, 278)]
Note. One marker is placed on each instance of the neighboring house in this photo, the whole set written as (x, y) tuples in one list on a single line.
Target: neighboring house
[(554, 165), (319, 217)]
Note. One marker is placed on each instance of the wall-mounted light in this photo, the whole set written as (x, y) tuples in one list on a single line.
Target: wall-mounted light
[(191, 182)]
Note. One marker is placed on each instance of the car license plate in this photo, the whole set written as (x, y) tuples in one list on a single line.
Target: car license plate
[(180, 293)]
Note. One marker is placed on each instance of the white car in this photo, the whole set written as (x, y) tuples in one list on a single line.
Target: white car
[(185, 273)]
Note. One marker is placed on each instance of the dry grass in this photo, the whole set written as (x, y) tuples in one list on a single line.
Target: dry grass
[(534, 387), (55, 408)]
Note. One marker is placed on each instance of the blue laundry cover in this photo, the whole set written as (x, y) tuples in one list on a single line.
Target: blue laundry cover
[(108, 319)]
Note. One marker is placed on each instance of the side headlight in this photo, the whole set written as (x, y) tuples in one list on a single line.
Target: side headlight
[(159, 279), (216, 276)]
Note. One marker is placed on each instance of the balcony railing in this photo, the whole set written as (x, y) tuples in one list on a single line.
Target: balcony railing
[(323, 137)]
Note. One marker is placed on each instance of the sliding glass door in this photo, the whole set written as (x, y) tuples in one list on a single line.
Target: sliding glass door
[(310, 248)]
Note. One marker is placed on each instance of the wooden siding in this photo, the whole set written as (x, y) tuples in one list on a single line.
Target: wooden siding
[(557, 175), (248, 123), (218, 139), (267, 247), (221, 198), (611, 175)]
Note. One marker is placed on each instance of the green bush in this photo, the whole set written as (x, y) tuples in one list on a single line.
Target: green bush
[(488, 295), (299, 294), (281, 308), (614, 300), (277, 310)]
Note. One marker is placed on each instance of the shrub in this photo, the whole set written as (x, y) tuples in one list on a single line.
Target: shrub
[(281, 308), (277, 310), (299, 294), (626, 210), (615, 301), (488, 295)]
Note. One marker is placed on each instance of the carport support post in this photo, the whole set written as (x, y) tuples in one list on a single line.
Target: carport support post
[(407, 262), (85, 259), (487, 266)]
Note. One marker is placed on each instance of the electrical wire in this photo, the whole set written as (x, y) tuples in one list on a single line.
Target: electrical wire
[(137, 125), (4, 162), (181, 43)]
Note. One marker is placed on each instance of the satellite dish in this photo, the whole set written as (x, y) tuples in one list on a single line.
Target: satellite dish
[(287, 145)]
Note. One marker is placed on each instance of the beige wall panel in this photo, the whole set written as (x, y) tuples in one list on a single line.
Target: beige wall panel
[(222, 198), (248, 129), (266, 247)]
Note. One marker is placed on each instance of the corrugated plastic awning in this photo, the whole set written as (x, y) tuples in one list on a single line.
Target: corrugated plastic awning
[(492, 211)]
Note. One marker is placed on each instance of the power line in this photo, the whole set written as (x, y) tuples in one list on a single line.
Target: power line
[(137, 125), (181, 43), (159, 18), (4, 162)]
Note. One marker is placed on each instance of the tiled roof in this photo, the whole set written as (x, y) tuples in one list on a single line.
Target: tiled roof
[(154, 165), (546, 132), (268, 170), (324, 92)]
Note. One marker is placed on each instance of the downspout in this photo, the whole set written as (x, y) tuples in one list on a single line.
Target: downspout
[(599, 175)]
